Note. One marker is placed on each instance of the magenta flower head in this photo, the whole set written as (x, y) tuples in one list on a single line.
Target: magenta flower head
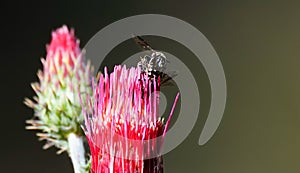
[(63, 48), (57, 108), (122, 125)]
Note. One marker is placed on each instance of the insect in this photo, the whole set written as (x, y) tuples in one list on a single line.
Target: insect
[(155, 63)]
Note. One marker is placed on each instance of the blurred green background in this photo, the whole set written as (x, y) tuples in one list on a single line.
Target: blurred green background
[(258, 45)]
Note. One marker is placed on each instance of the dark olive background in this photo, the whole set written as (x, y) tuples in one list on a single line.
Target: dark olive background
[(257, 42)]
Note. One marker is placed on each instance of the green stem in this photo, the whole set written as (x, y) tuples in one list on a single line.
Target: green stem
[(76, 152)]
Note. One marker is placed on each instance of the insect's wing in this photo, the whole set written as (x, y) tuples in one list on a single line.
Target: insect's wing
[(142, 43)]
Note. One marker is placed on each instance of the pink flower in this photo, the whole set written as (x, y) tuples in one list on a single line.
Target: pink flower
[(63, 42), (56, 105), (125, 132), (63, 53)]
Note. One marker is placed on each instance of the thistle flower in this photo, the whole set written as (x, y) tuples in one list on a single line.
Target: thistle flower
[(124, 130), (57, 107)]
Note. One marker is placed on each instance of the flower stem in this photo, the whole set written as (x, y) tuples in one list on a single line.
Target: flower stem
[(76, 152)]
